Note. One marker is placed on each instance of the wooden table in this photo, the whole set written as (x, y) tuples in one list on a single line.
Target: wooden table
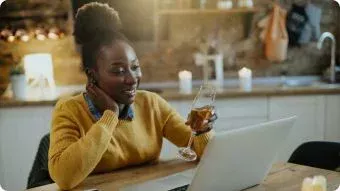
[(283, 176)]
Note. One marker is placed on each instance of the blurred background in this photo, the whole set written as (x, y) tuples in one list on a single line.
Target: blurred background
[(165, 34), (269, 59)]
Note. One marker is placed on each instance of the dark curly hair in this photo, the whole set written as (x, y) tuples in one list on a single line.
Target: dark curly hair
[(96, 25)]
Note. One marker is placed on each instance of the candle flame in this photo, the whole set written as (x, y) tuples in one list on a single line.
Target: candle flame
[(244, 70), (185, 73)]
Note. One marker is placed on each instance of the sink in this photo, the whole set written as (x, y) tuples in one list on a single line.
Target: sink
[(309, 83), (275, 82), (278, 82), (298, 83), (326, 85)]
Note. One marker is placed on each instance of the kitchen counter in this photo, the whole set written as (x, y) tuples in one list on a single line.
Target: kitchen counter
[(173, 94), (282, 176), (266, 86)]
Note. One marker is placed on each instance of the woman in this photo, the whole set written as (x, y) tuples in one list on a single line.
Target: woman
[(111, 125)]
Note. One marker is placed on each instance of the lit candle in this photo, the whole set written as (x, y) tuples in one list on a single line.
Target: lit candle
[(245, 79), (25, 38), (307, 184), (319, 183), (185, 82), (11, 38)]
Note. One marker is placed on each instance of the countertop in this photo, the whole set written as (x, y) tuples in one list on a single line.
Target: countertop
[(282, 176), (169, 91)]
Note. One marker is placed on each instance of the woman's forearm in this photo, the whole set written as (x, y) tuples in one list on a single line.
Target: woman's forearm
[(72, 159)]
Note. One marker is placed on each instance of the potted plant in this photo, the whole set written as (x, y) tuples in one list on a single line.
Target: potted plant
[(6, 60), (18, 81)]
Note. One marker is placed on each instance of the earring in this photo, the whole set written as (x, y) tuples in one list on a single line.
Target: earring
[(93, 81)]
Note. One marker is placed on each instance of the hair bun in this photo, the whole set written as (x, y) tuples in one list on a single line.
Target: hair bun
[(93, 20)]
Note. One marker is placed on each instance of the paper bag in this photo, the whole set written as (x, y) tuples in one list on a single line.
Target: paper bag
[(276, 38)]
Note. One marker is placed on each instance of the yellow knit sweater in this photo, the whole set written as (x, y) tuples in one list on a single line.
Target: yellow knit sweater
[(80, 145)]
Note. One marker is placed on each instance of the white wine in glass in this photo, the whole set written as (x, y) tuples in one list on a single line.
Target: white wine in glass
[(201, 111)]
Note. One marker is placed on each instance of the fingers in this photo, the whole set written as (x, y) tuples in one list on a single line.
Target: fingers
[(91, 91), (207, 123), (98, 90), (188, 122), (95, 91), (207, 127), (213, 117)]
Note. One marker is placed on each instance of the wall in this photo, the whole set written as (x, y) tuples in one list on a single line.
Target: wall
[(239, 50), (184, 33)]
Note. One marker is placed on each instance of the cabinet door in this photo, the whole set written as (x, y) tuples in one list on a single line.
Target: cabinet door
[(332, 118), (309, 124), (240, 112), (20, 132)]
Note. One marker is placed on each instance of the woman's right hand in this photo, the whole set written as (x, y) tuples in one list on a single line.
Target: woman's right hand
[(101, 100)]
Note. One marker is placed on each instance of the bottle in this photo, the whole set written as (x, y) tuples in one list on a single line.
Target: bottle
[(203, 4)]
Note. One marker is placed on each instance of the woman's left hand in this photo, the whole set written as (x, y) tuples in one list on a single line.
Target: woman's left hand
[(207, 124)]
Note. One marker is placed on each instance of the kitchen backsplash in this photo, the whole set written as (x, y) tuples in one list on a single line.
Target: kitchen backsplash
[(163, 63)]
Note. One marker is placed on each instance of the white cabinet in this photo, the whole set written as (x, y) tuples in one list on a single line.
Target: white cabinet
[(232, 112), (20, 132), (332, 118), (318, 119), (310, 122), (236, 113)]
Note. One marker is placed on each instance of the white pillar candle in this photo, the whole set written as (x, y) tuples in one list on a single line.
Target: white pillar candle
[(307, 184), (319, 183), (245, 79), (185, 82)]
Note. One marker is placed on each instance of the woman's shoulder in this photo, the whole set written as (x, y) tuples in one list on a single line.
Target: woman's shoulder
[(70, 102), (146, 95)]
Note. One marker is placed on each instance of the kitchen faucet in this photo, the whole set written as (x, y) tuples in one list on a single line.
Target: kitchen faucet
[(333, 68)]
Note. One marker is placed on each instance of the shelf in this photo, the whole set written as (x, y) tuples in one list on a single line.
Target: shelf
[(30, 14), (206, 11)]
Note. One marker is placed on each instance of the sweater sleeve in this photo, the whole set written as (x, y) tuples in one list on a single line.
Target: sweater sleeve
[(72, 157), (175, 130)]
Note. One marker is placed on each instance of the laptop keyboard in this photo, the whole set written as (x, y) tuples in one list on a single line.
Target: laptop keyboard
[(181, 188)]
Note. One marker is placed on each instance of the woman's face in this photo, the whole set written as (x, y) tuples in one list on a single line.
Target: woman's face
[(118, 72)]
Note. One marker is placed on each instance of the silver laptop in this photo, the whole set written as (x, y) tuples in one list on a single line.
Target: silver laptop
[(233, 160)]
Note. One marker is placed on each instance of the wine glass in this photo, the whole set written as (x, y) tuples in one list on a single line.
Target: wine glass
[(201, 110)]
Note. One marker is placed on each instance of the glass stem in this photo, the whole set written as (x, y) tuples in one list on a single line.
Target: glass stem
[(190, 140)]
